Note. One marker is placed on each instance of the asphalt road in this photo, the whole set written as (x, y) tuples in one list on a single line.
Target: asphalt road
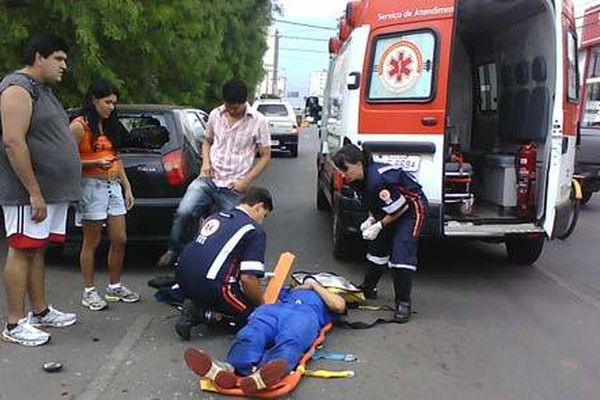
[(484, 329)]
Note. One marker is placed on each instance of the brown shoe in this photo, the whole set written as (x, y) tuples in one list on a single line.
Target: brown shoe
[(167, 260), (267, 376), (221, 373)]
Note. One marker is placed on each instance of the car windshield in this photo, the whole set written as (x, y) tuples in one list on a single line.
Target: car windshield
[(273, 110)]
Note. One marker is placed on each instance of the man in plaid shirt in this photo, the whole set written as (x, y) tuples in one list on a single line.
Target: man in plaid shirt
[(234, 135)]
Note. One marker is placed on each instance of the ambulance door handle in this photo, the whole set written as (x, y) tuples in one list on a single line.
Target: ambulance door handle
[(429, 121), (353, 80)]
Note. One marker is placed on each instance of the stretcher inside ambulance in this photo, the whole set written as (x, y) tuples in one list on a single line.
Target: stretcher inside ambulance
[(476, 98)]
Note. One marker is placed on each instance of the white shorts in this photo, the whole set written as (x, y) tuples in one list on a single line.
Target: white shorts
[(100, 199), (23, 233)]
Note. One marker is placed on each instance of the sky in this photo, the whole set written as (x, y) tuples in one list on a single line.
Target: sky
[(299, 56)]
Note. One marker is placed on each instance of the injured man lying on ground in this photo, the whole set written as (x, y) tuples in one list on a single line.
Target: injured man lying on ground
[(273, 341)]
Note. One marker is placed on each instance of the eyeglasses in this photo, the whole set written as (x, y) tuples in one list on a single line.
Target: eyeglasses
[(341, 165)]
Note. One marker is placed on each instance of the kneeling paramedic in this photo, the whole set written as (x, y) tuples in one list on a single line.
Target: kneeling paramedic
[(273, 341), (397, 209), (219, 272)]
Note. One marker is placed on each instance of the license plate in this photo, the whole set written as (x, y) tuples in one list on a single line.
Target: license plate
[(407, 163), (274, 142)]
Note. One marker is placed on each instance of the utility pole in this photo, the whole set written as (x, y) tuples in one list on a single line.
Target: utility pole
[(275, 62)]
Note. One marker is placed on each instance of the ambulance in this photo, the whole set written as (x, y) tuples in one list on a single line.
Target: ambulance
[(476, 98)]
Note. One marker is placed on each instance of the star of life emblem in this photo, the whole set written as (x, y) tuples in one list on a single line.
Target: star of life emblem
[(400, 66)]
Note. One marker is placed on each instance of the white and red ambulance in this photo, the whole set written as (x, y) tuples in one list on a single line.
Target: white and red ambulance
[(476, 98)]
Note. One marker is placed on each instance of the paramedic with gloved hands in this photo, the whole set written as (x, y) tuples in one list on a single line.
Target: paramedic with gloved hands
[(220, 271), (273, 341), (397, 209)]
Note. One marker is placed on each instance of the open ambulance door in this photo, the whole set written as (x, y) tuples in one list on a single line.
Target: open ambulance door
[(564, 124)]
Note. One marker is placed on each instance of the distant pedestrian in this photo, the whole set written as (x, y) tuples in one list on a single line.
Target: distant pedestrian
[(40, 174), (107, 192), (234, 136)]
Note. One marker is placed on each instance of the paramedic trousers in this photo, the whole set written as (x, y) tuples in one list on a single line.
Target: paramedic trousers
[(274, 331), (201, 196), (396, 248)]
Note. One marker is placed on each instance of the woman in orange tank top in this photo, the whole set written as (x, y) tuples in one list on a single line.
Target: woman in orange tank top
[(107, 192)]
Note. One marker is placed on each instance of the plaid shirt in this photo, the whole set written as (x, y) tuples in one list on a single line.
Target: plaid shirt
[(234, 146)]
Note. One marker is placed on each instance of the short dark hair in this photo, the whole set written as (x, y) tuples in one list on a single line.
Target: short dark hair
[(44, 43), (235, 91), (255, 195), (351, 154)]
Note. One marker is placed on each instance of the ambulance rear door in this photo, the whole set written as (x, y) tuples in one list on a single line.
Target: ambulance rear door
[(403, 104)]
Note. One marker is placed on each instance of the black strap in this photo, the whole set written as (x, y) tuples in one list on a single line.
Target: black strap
[(365, 325), (362, 324)]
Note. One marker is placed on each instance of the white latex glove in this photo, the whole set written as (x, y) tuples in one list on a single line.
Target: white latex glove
[(367, 223), (371, 232)]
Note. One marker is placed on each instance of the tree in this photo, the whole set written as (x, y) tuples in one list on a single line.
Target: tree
[(176, 51)]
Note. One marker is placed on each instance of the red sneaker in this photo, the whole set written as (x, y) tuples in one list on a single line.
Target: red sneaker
[(267, 376), (221, 373)]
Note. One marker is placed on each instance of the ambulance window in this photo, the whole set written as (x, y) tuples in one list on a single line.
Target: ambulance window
[(402, 67), (487, 83), (572, 79)]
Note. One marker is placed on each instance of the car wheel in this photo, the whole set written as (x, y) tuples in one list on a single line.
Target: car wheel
[(294, 150), (524, 251)]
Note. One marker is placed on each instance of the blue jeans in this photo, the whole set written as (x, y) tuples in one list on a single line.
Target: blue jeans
[(199, 199)]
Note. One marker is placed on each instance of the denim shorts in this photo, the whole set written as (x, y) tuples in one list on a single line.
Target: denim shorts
[(100, 199)]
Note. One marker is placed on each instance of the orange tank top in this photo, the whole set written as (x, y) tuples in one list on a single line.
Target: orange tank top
[(104, 151)]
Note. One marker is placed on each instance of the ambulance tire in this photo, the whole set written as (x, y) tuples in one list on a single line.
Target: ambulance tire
[(524, 251), (322, 203), (341, 241)]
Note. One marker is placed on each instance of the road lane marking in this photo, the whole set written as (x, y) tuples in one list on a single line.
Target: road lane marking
[(584, 297), (107, 371)]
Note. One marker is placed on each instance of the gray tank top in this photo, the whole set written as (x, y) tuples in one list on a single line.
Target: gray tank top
[(52, 147)]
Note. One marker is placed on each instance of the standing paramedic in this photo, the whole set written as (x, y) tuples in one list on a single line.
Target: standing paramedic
[(234, 135), (397, 209), (106, 195), (40, 175), (221, 269)]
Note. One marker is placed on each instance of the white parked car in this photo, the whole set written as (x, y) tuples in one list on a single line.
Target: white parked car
[(282, 122)]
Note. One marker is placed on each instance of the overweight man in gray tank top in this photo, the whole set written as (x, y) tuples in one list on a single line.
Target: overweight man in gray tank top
[(39, 175)]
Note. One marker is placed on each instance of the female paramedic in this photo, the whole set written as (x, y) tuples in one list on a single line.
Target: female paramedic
[(397, 209), (107, 194)]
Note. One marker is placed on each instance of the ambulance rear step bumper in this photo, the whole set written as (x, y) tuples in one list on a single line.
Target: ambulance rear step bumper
[(469, 229)]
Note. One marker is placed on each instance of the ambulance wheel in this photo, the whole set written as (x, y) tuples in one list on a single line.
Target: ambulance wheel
[(322, 203), (524, 251), (341, 241)]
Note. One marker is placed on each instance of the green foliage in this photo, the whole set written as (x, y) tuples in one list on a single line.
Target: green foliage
[(161, 51)]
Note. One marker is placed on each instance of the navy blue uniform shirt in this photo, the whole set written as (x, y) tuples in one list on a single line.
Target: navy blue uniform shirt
[(229, 244)]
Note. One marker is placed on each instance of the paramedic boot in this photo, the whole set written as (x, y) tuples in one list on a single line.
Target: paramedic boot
[(402, 289), (402, 313), (190, 317), (369, 285)]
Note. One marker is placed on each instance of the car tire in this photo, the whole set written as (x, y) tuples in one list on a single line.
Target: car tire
[(524, 251), (294, 150)]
